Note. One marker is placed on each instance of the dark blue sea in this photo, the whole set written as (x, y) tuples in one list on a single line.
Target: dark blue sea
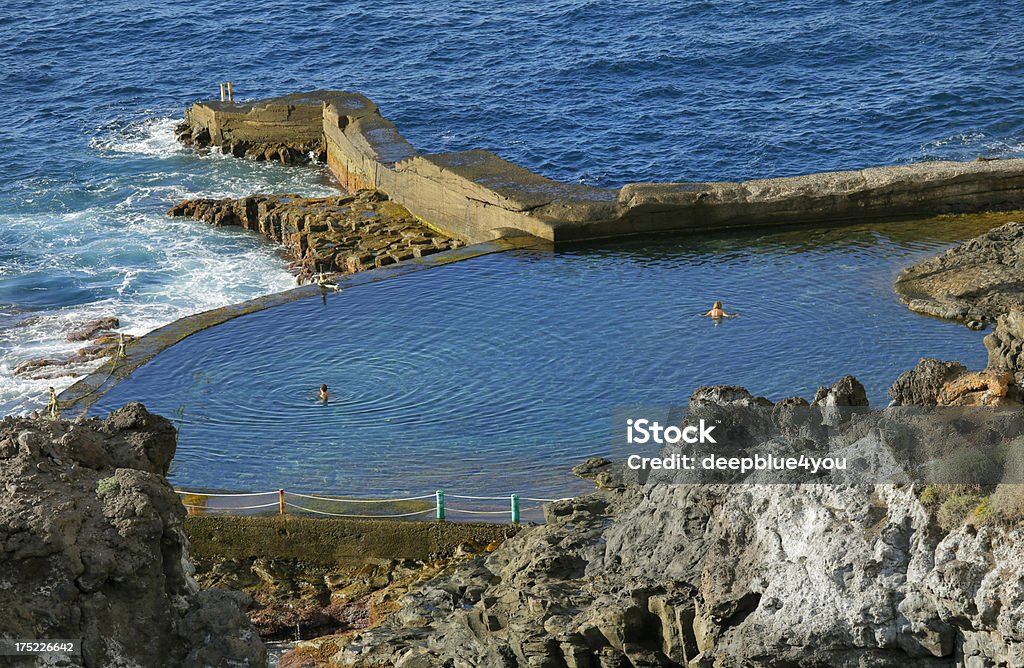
[(598, 92)]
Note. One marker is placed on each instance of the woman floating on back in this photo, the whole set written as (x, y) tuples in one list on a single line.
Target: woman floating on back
[(718, 313)]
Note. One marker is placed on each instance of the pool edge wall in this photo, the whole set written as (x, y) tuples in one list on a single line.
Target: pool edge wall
[(335, 541), (474, 195)]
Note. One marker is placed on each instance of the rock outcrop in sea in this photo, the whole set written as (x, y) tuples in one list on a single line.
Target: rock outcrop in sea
[(93, 548), (103, 341), (346, 234)]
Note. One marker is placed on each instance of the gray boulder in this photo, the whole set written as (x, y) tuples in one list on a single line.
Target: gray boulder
[(976, 281)]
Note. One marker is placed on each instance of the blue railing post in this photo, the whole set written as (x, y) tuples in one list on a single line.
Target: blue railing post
[(515, 509), (440, 505)]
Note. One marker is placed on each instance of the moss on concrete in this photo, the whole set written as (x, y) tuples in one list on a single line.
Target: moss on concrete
[(334, 541)]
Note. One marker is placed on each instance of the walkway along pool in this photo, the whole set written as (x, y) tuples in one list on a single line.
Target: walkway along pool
[(498, 373)]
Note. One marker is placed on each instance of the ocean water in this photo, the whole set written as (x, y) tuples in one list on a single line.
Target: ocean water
[(599, 92), (496, 375)]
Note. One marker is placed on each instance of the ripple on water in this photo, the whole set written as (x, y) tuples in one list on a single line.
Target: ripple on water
[(507, 368)]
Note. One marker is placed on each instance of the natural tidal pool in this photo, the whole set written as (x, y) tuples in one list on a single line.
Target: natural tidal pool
[(497, 374)]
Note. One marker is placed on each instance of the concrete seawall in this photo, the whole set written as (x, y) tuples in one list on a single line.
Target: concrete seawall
[(334, 541), (476, 195)]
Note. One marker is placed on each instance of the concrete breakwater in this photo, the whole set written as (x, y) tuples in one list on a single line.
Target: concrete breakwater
[(476, 195)]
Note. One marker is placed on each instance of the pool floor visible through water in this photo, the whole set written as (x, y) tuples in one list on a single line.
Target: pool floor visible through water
[(498, 374)]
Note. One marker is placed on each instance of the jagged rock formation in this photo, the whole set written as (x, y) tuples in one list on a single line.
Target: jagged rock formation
[(977, 281), (1006, 343), (92, 548), (936, 383), (327, 234), (293, 596), (719, 576), (288, 151)]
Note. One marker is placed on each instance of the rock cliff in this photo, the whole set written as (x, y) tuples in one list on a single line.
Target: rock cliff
[(719, 576), (93, 548)]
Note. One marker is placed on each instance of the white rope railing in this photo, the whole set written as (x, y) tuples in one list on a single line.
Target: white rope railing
[(438, 507), (332, 498), (476, 512), (324, 512), (185, 493), (265, 505)]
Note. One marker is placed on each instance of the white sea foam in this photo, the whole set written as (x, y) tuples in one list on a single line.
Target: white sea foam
[(152, 136), (969, 145), (116, 253)]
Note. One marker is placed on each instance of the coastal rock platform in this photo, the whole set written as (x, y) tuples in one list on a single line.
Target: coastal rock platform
[(343, 234), (977, 281)]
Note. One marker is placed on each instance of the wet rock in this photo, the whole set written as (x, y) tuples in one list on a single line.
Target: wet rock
[(92, 547), (344, 234), (105, 344), (603, 472), (94, 328), (921, 385), (975, 282), (34, 364)]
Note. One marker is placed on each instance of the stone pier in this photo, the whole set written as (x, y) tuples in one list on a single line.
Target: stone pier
[(476, 195)]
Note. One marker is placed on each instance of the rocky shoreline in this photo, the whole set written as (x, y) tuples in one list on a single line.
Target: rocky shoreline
[(715, 576), (322, 235), (294, 599), (974, 283)]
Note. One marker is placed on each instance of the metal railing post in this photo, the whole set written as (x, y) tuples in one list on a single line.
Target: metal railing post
[(515, 509), (440, 505), (223, 95), (280, 500)]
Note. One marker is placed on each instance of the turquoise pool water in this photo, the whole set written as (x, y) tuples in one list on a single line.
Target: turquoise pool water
[(498, 374)]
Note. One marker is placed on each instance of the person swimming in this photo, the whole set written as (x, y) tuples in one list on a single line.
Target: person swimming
[(717, 312), (324, 396)]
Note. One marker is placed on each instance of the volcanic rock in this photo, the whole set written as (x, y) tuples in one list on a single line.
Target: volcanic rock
[(976, 281), (92, 547)]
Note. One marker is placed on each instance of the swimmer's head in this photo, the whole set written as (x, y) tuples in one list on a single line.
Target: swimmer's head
[(323, 388), (718, 304)]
